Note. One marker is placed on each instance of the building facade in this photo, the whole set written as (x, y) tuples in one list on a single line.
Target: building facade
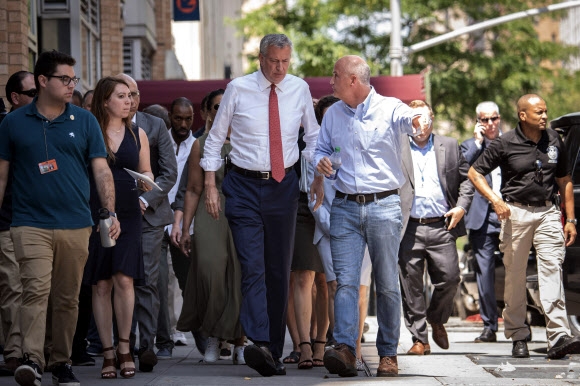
[(106, 37)]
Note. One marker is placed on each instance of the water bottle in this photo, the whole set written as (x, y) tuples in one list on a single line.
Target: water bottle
[(105, 223), (336, 162)]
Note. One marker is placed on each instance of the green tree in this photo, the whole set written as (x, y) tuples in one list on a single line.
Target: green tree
[(498, 64)]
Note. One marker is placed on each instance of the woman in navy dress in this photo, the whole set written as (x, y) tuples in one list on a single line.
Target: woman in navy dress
[(121, 266)]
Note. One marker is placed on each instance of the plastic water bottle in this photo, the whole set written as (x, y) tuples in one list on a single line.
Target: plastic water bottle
[(105, 223), (336, 162)]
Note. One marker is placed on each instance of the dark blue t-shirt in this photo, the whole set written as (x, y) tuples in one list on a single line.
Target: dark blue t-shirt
[(58, 199)]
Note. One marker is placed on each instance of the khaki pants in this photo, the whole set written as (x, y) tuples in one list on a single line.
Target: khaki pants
[(542, 228), (51, 263), (10, 297)]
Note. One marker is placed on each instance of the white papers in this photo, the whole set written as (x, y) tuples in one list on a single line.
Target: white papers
[(143, 177)]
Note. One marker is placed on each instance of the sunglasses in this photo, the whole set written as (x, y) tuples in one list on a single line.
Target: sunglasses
[(216, 106), (29, 93), (486, 120), (539, 175)]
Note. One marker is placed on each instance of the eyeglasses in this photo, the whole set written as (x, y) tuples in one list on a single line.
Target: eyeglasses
[(216, 106), (29, 93), (65, 79), (135, 94), (539, 175), (486, 120)]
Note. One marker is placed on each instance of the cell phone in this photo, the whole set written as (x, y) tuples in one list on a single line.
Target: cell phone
[(447, 222)]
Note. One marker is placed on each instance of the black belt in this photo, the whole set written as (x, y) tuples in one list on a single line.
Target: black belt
[(427, 220), (536, 204), (254, 173), (364, 198)]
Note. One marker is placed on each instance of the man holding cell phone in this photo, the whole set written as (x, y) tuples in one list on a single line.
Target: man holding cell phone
[(434, 199)]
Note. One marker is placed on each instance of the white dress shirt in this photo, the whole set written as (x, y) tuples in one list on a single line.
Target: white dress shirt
[(181, 156), (244, 108)]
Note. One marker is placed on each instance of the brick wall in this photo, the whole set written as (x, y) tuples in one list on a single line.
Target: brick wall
[(13, 40), (111, 37), (163, 16)]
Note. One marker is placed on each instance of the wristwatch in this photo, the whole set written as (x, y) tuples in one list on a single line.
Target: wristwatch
[(572, 220), (113, 214)]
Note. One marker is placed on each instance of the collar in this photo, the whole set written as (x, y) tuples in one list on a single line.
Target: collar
[(424, 149), (265, 84), (31, 109), (523, 139), (134, 119), (185, 142)]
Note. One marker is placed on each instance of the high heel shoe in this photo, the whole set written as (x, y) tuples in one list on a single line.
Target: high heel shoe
[(124, 360), (108, 363)]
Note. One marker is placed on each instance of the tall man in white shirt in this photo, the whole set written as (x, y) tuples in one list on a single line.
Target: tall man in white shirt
[(261, 190), (366, 209), (481, 220), (181, 117)]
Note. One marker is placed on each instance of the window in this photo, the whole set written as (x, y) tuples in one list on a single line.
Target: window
[(90, 42)]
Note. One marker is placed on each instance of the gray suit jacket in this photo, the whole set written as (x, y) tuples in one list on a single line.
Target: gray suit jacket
[(163, 166), (452, 171)]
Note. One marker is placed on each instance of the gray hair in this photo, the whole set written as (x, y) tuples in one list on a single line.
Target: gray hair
[(277, 40), (362, 72), (486, 106), (159, 112)]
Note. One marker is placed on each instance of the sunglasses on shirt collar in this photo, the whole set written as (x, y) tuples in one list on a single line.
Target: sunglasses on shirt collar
[(29, 93)]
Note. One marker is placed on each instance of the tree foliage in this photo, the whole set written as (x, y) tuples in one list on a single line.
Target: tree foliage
[(499, 64)]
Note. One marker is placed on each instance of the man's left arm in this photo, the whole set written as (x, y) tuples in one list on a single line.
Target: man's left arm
[(567, 192), (311, 130), (106, 190), (167, 166)]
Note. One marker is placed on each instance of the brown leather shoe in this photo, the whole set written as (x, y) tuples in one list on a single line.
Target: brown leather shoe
[(420, 349), (341, 361), (388, 367), (439, 335)]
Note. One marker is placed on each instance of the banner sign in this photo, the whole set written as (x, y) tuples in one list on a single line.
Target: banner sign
[(185, 10)]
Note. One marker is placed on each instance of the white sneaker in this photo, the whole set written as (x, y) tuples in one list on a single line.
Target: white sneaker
[(238, 356), (179, 338), (212, 352)]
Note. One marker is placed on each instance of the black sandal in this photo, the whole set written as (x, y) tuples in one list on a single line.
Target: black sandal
[(294, 357), (306, 364), (315, 361)]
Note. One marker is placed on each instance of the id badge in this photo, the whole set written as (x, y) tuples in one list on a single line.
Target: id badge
[(47, 166)]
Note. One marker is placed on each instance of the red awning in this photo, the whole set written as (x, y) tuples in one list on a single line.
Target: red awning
[(163, 92)]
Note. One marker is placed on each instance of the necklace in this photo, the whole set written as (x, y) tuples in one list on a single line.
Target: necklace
[(118, 131)]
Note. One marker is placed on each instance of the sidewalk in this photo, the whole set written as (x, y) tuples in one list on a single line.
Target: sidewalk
[(465, 363)]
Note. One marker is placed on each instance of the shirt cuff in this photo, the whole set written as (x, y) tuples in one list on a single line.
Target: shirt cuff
[(464, 211), (478, 145), (144, 202), (211, 165)]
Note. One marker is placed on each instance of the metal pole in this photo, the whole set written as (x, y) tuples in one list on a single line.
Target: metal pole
[(486, 24), (396, 48)]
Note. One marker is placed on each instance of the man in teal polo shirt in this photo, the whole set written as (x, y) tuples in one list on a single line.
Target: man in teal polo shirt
[(50, 144)]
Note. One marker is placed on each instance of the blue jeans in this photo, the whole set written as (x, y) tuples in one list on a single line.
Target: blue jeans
[(353, 226)]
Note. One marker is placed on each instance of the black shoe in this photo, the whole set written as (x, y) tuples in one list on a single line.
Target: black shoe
[(82, 359), (487, 336), (9, 366), (520, 349), (29, 373), (200, 341), (564, 346), (260, 359), (280, 368), (147, 360), (62, 375)]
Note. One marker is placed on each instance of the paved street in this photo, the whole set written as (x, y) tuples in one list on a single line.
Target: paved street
[(465, 363)]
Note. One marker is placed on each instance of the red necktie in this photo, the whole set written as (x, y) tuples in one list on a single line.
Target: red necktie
[(276, 154)]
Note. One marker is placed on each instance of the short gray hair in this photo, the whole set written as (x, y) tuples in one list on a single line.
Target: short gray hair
[(362, 72), (486, 106), (277, 40)]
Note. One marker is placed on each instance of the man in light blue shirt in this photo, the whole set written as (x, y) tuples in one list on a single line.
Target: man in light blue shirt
[(434, 199), (366, 209)]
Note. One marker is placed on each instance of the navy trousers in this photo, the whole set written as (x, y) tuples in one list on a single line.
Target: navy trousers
[(262, 218), (484, 242)]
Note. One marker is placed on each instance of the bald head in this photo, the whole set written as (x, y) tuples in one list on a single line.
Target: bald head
[(351, 80), (135, 96), (528, 100), (532, 114)]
